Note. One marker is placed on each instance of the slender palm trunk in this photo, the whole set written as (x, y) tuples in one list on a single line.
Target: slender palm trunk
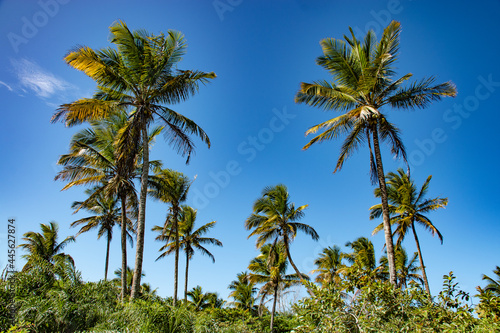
[(186, 278), (274, 307), (124, 246), (385, 208), (106, 265), (176, 273), (424, 275), (141, 222), (285, 241)]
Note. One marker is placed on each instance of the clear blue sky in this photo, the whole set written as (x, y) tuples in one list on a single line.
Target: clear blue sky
[(261, 51)]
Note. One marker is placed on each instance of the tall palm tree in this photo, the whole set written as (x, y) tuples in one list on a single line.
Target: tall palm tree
[(94, 160), (329, 265), (275, 219), (269, 268), (171, 187), (107, 212), (243, 291), (407, 205), (189, 239), (406, 269), (44, 246), (140, 75), (363, 84)]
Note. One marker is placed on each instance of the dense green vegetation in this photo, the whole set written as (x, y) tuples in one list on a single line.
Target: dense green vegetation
[(47, 299), (353, 291)]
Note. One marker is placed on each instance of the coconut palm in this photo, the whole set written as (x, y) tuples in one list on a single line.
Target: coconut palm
[(140, 75), (189, 239), (128, 276), (329, 265), (44, 246), (407, 205), (146, 289), (406, 269), (201, 300), (269, 268), (214, 301), (243, 292), (171, 187), (275, 219), (363, 84), (493, 285), (363, 254), (94, 160), (107, 212), (363, 262)]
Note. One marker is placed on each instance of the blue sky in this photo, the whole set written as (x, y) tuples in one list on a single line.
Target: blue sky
[(261, 51)]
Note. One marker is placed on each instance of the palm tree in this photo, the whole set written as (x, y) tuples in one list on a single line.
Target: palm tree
[(189, 240), (146, 289), (214, 301), (269, 268), (407, 206), (275, 219), (141, 75), (171, 187), (128, 277), (493, 285), (93, 160), (329, 265), (243, 291), (107, 212), (44, 246), (406, 269), (363, 83), (201, 300), (363, 262)]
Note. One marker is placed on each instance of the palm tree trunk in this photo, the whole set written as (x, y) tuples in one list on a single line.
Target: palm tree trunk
[(106, 265), (385, 209), (285, 241), (124, 246), (274, 308), (176, 273), (141, 221), (424, 275), (186, 278)]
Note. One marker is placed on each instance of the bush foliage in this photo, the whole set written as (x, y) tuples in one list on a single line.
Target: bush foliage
[(41, 301)]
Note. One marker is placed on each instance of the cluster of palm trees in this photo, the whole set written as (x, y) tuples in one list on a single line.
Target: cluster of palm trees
[(138, 82), (275, 223), (360, 266)]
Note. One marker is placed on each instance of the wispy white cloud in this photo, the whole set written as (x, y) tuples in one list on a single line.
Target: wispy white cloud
[(37, 80), (6, 85)]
